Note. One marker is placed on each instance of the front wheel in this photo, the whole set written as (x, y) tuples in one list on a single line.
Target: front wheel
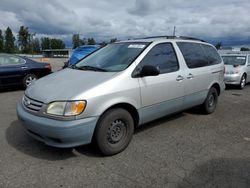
[(114, 131), (28, 80), (210, 103), (243, 82)]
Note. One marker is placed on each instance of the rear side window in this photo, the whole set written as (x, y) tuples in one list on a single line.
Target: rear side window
[(212, 55), (162, 56), (10, 60), (193, 54)]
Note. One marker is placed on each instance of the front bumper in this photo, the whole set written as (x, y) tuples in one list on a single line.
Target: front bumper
[(233, 79), (57, 133)]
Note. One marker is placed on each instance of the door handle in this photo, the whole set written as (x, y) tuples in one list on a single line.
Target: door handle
[(190, 76), (24, 67), (179, 78)]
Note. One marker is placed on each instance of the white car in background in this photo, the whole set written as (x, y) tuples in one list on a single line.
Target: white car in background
[(237, 69)]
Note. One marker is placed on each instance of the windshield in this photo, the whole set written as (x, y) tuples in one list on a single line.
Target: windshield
[(234, 60), (113, 57)]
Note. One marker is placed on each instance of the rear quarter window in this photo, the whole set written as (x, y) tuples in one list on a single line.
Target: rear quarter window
[(212, 55), (193, 54)]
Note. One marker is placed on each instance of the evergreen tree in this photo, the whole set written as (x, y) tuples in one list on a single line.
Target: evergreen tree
[(24, 40), (9, 41), (103, 43), (218, 45), (91, 41), (36, 46), (113, 40), (57, 44), (76, 41), (1, 41), (45, 43)]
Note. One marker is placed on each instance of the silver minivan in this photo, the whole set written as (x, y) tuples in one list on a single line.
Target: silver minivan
[(237, 69), (106, 95)]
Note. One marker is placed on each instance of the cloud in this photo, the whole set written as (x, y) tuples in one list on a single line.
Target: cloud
[(127, 19)]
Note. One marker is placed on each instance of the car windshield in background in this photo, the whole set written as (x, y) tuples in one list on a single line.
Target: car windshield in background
[(113, 57), (234, 60)]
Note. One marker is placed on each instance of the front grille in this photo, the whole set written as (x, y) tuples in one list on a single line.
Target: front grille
[(32, 104)]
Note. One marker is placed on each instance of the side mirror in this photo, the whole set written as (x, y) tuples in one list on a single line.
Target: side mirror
[(149, 70)]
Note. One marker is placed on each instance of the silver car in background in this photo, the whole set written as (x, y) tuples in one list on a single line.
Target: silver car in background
[(123, 85), (237, 69)]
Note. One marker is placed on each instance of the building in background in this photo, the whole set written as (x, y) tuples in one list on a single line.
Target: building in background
[(57, 53)]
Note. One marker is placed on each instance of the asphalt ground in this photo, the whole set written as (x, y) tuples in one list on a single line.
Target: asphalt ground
[(188, 149)]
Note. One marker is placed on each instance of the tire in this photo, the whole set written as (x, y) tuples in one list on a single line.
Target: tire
[(114, 131), (243, 81), (28, 79), (210, 103)]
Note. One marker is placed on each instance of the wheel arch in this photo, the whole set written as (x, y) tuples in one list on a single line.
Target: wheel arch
[(245, 74), (129, 107), (217, 87)]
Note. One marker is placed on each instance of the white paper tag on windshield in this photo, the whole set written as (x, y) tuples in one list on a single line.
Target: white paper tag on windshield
[(241, 58), (136, 46)]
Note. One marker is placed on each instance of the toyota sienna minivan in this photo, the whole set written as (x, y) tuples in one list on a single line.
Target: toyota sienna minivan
[(105, 96)]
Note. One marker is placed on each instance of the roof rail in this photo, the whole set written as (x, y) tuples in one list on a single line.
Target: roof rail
[(174, 37)]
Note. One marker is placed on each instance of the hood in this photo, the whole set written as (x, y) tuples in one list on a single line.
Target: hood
[(65, 84)]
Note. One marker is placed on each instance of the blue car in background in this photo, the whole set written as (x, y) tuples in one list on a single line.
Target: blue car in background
[(80, 52), (17, 70)]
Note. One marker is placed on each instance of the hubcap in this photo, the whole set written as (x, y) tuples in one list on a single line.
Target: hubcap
[(29, 80), (116, 131), (211, 100)]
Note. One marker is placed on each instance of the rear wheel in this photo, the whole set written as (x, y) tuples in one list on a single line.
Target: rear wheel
[(243, 81), (114, 131), (28, 80), (210, 103)]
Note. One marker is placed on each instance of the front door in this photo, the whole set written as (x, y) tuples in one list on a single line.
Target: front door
[(162, 94)]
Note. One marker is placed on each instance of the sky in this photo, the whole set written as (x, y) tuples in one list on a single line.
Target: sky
[(212, 20)]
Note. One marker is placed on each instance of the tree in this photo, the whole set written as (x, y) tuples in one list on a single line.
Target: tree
[(244, 49), (91, 41), (1, 41), (83, 41), (45, 43), (9, 41), (76, 41), (24, 41), (218, 45), (36, 45), (103, 43), (113, 40), (57, 44)]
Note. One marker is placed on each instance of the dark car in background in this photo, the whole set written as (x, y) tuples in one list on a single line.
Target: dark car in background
[(80, 52), (16, 70)]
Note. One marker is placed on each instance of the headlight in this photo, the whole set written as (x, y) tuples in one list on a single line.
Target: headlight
[(70, 108)]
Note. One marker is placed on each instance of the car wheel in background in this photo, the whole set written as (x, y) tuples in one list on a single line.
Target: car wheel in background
[(210, 103), (28, 79), (114, 131), (243, 81)]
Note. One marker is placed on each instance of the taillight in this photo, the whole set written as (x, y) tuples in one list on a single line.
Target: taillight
[(224, 70), (48, 67)]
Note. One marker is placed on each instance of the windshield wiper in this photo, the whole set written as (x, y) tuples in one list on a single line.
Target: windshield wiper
[(87, 67)]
